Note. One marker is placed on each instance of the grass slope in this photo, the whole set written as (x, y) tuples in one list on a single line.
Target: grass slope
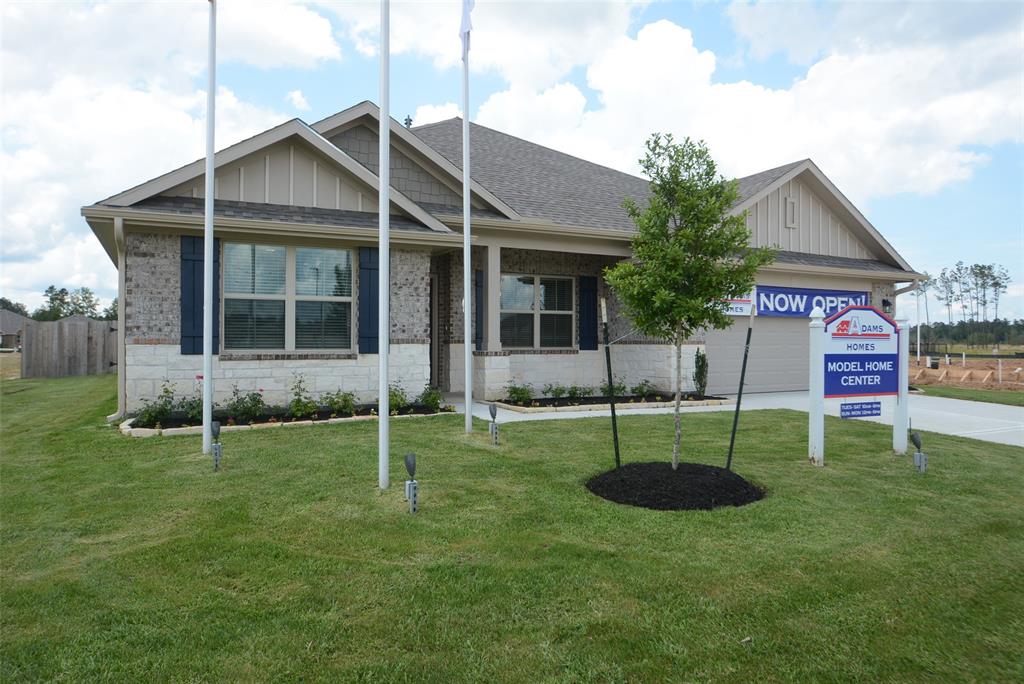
[(1008, 397), (129, 559)]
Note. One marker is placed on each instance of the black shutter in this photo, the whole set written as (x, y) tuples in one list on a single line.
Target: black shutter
[(368, 292), (588, 312), (192, 295), (478, 308)]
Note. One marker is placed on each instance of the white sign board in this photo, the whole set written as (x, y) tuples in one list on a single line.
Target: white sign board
[(861, 353), (740, 306)]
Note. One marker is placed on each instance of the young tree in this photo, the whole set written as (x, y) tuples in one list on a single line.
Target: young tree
[(17, 307), (689, 254)]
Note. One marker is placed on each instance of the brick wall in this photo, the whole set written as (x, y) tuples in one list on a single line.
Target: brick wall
[(152, 289)]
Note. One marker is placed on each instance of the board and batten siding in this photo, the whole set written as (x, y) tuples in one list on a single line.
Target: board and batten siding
[(818, 230), (288, 173)]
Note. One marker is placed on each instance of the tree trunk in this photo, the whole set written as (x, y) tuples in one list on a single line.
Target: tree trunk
[(679, 397)]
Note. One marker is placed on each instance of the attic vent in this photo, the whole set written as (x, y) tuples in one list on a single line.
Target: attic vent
[(791, 215)]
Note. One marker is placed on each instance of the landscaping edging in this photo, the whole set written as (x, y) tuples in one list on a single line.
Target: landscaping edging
[(607, 407), (126, 426)]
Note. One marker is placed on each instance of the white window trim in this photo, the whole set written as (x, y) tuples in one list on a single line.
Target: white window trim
[(289, 297), (536, 310)]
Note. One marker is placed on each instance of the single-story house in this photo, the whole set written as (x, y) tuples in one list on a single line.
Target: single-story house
[(11, 325), (296, 270)]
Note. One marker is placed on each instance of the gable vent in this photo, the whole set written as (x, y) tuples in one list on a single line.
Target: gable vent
[(791, 215)]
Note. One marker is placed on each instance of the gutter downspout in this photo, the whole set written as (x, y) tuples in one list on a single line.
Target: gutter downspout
[(122, 399)]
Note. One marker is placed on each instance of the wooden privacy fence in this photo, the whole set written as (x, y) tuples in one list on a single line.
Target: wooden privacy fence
[(72, 346)]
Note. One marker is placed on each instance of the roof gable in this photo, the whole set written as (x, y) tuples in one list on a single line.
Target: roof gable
[(180, 181), (413, 157), (826, 223)]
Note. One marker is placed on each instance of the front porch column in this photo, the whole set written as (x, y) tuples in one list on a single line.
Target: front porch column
[(492, 297)]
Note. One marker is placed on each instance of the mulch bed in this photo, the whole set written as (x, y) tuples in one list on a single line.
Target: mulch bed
[(280, 415), (622, 399), (693, 486)]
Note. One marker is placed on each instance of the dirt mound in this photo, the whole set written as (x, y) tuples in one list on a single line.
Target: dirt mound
[(693, 486)]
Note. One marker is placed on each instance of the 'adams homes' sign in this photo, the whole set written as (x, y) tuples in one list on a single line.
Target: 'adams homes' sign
[(798, 302), (861, 353)]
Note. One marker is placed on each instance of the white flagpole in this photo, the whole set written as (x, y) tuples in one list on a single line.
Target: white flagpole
[(467, 270), (384, 261), (211, 95)]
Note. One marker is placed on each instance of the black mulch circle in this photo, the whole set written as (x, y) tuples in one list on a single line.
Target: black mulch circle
[(693, 486)]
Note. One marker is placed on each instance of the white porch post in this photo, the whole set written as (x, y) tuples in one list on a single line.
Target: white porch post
[(492, 291), (816, 390)]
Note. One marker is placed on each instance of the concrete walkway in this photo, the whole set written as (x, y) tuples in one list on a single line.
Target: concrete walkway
[(989, 422)]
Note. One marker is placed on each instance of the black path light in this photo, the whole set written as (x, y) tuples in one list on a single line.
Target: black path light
[(411, 486), (611, 382), (493, 408), (920, 458), (216, 446)]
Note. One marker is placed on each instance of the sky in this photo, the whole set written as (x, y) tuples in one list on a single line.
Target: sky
[(914, 110)]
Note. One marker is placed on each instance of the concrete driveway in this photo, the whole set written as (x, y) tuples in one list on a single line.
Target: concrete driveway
[(977, 420)]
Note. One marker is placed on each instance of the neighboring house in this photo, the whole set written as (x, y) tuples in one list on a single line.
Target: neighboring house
[(296, 271), (11, 325)]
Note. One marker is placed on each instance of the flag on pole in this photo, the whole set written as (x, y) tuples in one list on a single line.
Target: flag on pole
[(467, 26), (467, 289)]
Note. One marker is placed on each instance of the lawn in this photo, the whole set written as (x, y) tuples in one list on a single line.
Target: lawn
[(10, 365), (130, 560), (992, 396)]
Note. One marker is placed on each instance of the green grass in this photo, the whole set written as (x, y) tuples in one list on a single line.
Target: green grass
[(129, 560), (1008, 397)]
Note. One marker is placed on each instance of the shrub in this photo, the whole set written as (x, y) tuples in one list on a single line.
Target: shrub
[(431, 399), (398, 400), (340, 403), (700, 372), (519, 394), (192, 406), (302, 404), (245, 408), (576, 392), (643, 388), (156, 412), (617, 389), (555, 391)]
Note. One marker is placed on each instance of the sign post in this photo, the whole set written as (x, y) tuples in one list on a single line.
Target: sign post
[(816, 386), (901, 416)]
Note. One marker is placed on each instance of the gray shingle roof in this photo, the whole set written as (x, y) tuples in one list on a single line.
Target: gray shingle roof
[(11, 321), (193, 206), (539, 182), (805, 259), (753, 184)]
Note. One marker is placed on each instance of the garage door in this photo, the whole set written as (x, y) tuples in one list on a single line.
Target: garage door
[(778, 361)]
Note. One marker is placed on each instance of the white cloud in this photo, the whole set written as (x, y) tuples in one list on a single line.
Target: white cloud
[(85, 118), (297, 100), (429, 113), (900, 119), (529, 44)]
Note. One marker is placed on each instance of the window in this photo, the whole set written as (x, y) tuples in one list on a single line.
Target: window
[(287, 298), (537, 311)]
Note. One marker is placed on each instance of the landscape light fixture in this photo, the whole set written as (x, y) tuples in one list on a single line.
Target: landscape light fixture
[(494, 423), (216, 446), (920, 458), (411, 486)]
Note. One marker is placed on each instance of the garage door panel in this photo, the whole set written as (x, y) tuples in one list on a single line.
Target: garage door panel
[(779, 350)]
